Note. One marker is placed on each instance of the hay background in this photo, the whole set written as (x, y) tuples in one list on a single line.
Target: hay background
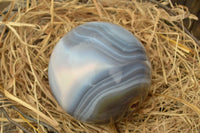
[(29, 36)]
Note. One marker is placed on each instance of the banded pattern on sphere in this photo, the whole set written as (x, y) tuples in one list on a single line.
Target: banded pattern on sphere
[(97, 70)]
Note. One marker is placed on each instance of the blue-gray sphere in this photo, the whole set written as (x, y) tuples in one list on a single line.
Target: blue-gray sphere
[(97, 70)]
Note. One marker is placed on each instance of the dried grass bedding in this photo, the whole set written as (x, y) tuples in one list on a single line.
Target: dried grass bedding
[(28, 36)]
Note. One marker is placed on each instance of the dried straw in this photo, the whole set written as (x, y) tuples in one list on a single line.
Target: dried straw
[(29, 35)]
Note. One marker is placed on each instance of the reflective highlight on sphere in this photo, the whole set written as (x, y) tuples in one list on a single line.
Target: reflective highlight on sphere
[(97, 70)]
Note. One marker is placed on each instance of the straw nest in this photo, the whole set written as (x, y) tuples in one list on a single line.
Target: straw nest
[(29, 35)]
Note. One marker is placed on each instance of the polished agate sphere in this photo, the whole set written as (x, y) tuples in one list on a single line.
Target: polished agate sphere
[(97, 71)]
